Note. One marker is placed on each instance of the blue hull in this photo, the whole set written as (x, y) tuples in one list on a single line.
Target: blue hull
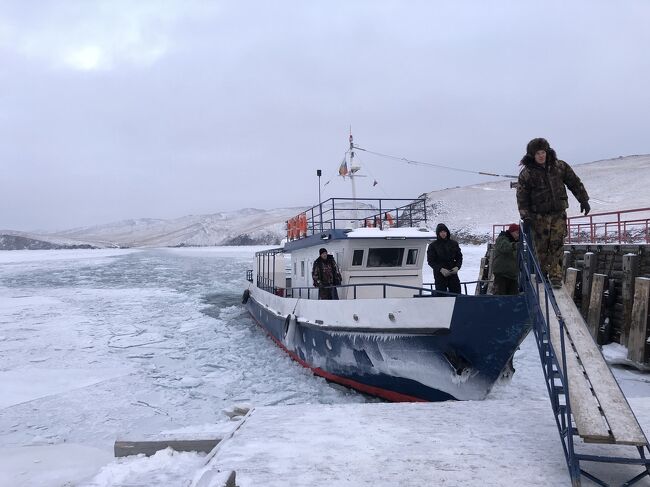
[(462, 362)]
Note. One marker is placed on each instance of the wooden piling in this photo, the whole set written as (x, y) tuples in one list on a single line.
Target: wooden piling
[(572, 276), (567, 262), (590, 263), (636, 348), (630, 273), (595, 304)]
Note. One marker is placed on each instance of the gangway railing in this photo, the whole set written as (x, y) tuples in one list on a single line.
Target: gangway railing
[(552, 346)]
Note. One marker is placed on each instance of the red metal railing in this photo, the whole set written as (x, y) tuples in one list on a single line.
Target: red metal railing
[(625, 226)]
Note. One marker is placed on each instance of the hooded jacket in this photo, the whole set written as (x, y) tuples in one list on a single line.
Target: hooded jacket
[(444, 253), (542, 188), (505, 256)]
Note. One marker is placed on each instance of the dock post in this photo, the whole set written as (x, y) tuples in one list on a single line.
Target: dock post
[(636, 348), (567, 261), (595, 304), (571, 280), (590, 262), (630, 273)]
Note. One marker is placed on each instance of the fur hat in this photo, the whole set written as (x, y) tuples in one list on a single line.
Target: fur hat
[(513, 228), (537, 144), (322, 250)]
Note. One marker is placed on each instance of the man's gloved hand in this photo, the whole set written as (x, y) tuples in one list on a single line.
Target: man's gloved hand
[(445, 272), (316, 284), (454, 270), (585, 208)]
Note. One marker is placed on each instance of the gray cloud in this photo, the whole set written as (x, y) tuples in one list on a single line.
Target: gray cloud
[(112, 110)]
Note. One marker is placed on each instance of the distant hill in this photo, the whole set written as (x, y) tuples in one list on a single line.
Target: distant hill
[(469, 211)]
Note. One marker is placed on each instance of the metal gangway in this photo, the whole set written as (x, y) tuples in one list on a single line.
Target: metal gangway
[(589, 406)]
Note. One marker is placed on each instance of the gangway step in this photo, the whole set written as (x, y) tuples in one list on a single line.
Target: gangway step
[(600, 411)]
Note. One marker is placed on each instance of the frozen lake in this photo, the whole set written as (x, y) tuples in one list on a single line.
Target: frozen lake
[(94, 344)]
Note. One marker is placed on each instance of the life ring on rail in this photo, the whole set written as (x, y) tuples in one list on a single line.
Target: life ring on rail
[(368, 223), (245, 296), (389, 219)]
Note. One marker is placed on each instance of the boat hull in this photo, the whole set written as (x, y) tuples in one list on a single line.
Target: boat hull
[(460, 357)]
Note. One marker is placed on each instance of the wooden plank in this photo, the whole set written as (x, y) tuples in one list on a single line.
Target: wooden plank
[(586, 412), (571, 280), (481, 272), (490, 289), (595, 304), (630, 272), (636, 344), (124, 448), (622, 422)]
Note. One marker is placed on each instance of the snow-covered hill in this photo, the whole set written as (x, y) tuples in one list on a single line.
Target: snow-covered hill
[(469, 211)]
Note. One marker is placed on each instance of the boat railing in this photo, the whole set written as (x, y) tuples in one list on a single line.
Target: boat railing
[(349, 213), (312, 292)]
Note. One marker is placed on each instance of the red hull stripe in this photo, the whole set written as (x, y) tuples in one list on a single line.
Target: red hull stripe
[(374, 391)]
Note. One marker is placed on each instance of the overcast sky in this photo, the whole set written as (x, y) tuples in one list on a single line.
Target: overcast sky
[(127, 109)]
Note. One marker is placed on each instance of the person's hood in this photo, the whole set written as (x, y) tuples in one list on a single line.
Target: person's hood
[(529, 161), (440, 228)]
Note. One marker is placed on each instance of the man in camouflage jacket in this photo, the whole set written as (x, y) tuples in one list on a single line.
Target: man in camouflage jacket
[(542, 201)]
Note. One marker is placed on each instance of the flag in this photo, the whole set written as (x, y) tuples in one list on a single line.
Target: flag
[(375, 183), (343, 168)]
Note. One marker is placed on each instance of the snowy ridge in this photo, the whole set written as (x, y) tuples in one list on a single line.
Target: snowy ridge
[(469, 211)]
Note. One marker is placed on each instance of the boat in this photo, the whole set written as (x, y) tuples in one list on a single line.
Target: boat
[(389, 334)]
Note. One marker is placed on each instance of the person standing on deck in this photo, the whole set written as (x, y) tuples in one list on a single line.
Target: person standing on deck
[(445, 258), (504, 267), (325, 273), (542, 201)]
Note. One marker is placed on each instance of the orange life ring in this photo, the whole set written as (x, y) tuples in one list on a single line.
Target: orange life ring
[(368, 223), (389, 219)]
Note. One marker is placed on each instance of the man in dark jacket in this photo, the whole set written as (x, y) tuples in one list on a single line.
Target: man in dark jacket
[(504, 267), (445, 258), (325, 273), (542, 201)]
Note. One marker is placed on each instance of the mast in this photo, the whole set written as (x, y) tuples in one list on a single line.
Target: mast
[(352, 175)]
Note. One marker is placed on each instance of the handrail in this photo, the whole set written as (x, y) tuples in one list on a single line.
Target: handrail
[(530, 271), (344, 213), (291, 291), (596, 228)]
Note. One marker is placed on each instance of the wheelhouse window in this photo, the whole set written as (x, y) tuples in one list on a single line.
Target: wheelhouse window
[(412, 257), (357, 257), (302, 268), (391, 257)]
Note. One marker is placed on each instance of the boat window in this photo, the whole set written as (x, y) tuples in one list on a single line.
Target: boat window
[(295, 269), (412, 257), (385, 257), (357, 257), (302, 268)]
